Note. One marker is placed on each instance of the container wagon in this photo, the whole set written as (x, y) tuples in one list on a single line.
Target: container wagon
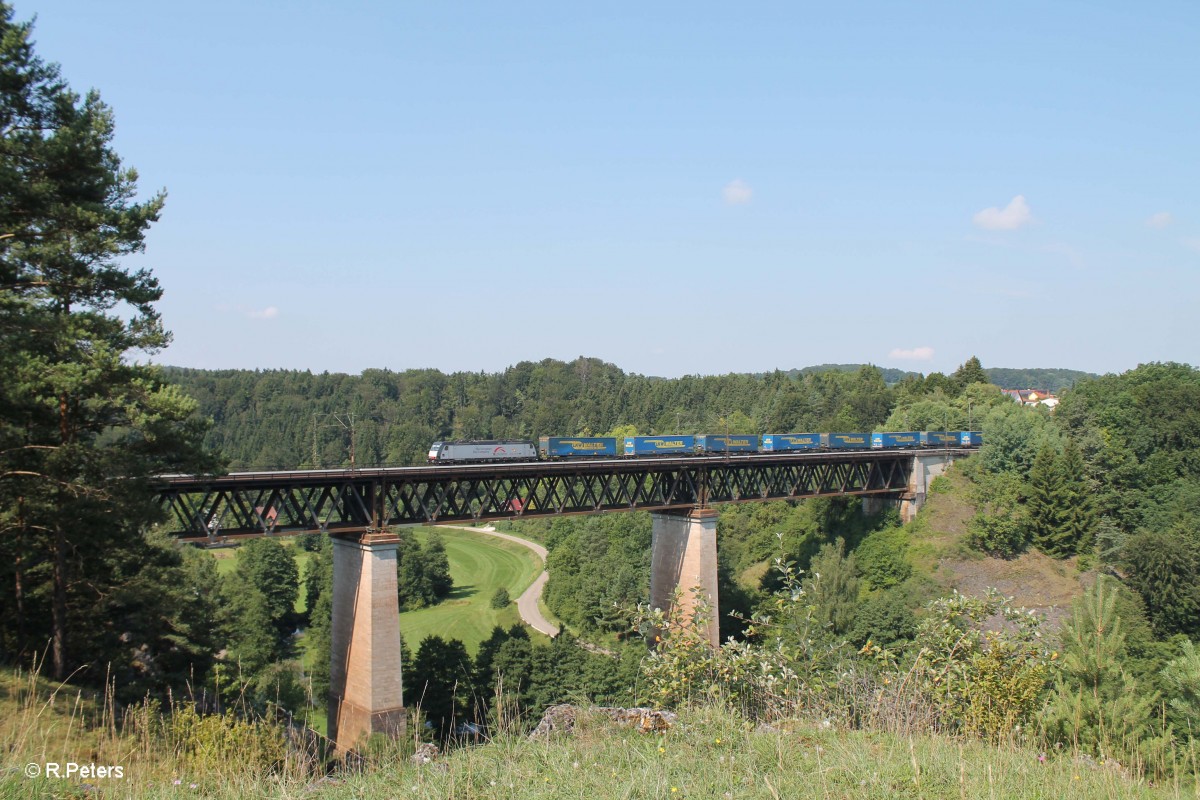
[(884, 441), (727, 443), (970, 438), (782, 442), (940, 438), (580, 447), (659, 445), (846, 441)]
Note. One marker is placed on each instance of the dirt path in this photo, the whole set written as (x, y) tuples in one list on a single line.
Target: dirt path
[(527, 603)]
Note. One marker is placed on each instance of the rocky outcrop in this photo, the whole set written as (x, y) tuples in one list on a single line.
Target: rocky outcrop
[(562, 718)]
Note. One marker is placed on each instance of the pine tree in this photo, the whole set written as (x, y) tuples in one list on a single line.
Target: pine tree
[(413, 586), (1098, 706), (437, 567), (1078, 511), (970, 372), (1046, 504), (1162, 567), (270, 567), (832, 587), (441, 682), (75, 411)]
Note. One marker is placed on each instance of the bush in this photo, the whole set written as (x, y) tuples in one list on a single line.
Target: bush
[(1005, 536), (501, 598), (881, 560), (210, 743)]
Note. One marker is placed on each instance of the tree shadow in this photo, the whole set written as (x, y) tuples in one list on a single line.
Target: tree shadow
[(461, 592)]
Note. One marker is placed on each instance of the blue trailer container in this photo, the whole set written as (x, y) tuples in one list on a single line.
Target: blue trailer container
[(659, 445), (782, 442), (887, 441), (727, 443), (939, 438), (971, 438), (846, 441), (564, 447)]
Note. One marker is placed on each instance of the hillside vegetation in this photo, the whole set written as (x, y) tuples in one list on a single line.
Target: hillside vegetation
[(710, 752)]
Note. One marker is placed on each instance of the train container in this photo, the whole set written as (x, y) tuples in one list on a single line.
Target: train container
[(846, 441), (939, 438), (782, 442), (727, 443), (659, 445), (970, 438), (887, 441), (500, 450), (580, 447)]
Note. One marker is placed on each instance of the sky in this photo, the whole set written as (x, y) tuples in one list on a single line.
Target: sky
[(676, 188)]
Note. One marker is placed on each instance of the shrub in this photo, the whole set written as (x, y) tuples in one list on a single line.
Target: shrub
[(501, 598), (881, 560), (983, 679), (210, 743)]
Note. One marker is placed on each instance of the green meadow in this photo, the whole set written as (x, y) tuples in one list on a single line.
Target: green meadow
[(479, 564)]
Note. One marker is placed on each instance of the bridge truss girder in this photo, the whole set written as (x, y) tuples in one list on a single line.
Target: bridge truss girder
[(337, 500)]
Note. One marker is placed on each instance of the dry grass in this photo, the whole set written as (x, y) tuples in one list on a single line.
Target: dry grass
[(1033, 580), (711, 753)]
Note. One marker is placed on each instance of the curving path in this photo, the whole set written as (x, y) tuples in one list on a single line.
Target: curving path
[(527, 603)]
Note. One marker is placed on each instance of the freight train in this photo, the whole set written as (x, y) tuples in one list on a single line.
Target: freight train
[(556, 448)]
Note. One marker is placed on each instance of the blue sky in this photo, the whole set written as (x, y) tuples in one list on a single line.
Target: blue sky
[(675, 188)]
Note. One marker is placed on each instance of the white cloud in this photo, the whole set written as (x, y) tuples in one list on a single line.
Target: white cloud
[(915, 354), (1160, 220), (270, 312), (1191, 244), (1009, 218), (737, 192)]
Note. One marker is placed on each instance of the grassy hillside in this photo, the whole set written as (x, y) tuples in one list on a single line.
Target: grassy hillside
[(479, 564), (709, 753), (937, 549)]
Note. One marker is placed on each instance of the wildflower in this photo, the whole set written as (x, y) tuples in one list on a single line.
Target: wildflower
[(193, 786), (1076, 777), (177, 782), (662, 749), (1041, 758), (718, 740), (674, 789)]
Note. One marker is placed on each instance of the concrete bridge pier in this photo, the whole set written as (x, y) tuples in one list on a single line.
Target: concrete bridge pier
[(925, 469), (684, 558), (365, 683)]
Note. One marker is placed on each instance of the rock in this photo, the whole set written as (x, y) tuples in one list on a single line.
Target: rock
[(561, 719), (425, 753)]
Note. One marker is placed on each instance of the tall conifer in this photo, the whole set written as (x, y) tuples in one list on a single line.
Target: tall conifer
[(75, 412), (1046, 504)]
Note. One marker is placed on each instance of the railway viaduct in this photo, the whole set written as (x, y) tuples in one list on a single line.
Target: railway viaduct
[(358, 507)]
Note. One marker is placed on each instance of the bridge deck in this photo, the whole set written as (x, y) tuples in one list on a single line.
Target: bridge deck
[(294, 501)]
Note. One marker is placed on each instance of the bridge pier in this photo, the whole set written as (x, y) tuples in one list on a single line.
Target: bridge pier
[(684, 559), (365, 694), (925, 469)]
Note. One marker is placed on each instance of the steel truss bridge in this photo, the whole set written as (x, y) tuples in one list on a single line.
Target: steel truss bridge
[(205, 508)]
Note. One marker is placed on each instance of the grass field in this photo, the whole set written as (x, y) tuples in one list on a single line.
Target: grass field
[(479, 565)]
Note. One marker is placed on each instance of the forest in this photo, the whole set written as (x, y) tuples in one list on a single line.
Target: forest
[(290, 419)]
